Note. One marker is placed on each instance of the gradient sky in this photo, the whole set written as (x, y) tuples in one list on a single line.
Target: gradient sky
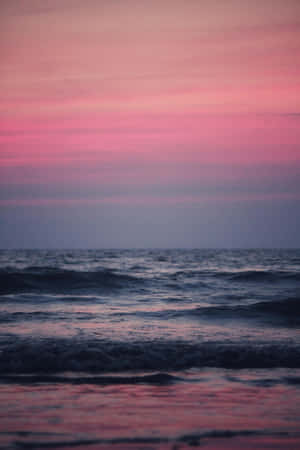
[(162, 123)]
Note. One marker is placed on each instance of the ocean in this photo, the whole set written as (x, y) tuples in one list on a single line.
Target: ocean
[(150, 349)]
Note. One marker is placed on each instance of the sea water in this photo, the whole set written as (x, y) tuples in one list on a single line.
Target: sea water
[(150, 349)]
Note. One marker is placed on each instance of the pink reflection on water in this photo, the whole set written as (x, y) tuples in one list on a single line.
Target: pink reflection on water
[(133, 329), (71, 412)]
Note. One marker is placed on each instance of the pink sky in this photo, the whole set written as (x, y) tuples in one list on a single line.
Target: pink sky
[(160, 101)]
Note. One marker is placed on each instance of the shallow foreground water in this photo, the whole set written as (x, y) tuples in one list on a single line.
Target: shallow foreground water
[(149, 349)]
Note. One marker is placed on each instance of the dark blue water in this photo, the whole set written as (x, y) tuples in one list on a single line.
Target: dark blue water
[(172, 309), (134, 317)]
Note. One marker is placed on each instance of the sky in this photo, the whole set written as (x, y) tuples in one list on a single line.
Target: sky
[(137, 123)]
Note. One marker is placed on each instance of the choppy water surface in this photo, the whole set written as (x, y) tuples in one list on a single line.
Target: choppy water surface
[(150, 348)]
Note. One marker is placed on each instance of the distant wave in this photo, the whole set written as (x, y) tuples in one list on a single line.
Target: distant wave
[(262, 275), (245, 275), (55, 355), (52, 279)]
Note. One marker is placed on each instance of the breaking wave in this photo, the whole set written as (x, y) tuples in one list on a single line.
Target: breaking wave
[(54, 355)]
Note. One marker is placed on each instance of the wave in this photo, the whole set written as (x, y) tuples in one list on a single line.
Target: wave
[(157, 378), (263, 275), (52, 279), (10, 317), (290, 306), (208, 276), (236, 275), (275, 311), (282, 310), (54, 355), (32, 440), (190, 439), (267, 382), (55, 279)]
